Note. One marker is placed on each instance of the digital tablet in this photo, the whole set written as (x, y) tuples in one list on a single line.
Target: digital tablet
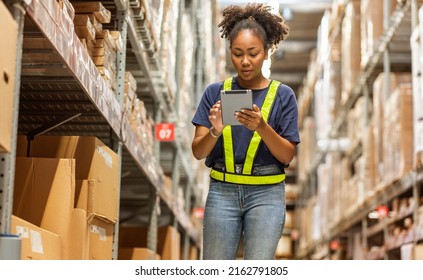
[(233, 101)]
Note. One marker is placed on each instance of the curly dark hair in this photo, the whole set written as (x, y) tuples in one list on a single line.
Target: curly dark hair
[(270, 27)]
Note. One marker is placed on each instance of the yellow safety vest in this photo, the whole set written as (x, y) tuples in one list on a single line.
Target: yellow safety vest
[(246, 178)]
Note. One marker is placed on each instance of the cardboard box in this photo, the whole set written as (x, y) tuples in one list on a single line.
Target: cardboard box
[(36, 243), (193, 253), (91, 237), (96, 7), (289, 219), (93, 160), (284, 249), (89, 197), (350, 49), (418, 252), (77, 243), (44, 193), (169, 243), (168, 240), (8, 43), (136, 253)]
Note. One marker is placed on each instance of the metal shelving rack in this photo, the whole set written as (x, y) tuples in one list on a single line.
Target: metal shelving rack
[(63, 91), (404, 17), (7, 160)]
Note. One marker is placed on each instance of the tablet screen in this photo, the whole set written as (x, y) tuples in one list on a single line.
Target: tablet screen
[(233, 101)]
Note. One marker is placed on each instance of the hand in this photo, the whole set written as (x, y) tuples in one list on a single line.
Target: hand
[(215, 117), (251, 119)]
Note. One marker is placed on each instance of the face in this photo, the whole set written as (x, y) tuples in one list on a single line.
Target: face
[(247, 55)]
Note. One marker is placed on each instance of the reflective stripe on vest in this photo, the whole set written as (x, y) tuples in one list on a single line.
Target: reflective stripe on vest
[(228, 146), (246, 177)]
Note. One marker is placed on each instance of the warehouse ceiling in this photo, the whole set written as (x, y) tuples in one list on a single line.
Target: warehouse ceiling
[(291, 59)]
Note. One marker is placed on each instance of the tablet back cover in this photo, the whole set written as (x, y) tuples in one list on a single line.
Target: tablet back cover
[(232, 101)]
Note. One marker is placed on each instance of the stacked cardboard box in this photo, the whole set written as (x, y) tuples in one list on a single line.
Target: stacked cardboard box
[(135, 253), (79, 176), (43, 199), (168, 46), (168, 241), (101, 44), (108, 43), (284, 248), (44, 196), (130, 88), (372, 26), (350, 48), (379, 111), (88, 18), (398, 134), (307, 149), (143, 126), (36, 243)]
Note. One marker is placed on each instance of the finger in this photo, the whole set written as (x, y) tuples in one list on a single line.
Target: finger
[(242, 117)]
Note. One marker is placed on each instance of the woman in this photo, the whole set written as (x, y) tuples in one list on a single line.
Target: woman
[(247, 191)]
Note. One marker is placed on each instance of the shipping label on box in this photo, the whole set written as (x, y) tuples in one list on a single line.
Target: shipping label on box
[(36, 243)]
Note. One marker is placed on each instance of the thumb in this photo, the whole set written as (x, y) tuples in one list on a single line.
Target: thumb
[(256, 108)]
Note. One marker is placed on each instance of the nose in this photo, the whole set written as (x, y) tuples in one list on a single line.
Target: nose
[(245, 60)]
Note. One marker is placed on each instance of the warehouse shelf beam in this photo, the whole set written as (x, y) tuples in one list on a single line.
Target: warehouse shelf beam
[(121, 5), (153, 220), (117, 144)]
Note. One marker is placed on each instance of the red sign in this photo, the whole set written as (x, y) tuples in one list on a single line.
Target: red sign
[(334, 245), (198, 212), (382, 211), (165, 131)]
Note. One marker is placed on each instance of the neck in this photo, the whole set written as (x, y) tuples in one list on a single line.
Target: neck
[(257, 83)]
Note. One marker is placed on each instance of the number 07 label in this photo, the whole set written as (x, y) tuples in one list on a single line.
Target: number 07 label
[(165, 131)]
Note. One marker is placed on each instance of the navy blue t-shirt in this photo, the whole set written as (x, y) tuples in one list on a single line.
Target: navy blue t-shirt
[(283, 119)]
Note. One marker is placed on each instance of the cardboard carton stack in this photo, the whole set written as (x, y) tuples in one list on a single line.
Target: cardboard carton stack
[(380, 113), (398, 133), (133, 240), (44, 197), (350, 48), (372, 26), (130, 88), (101, 44), (143, 125), (68, 185)]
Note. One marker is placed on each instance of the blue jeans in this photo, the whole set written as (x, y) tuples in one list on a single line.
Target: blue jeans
[(256, 212)]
